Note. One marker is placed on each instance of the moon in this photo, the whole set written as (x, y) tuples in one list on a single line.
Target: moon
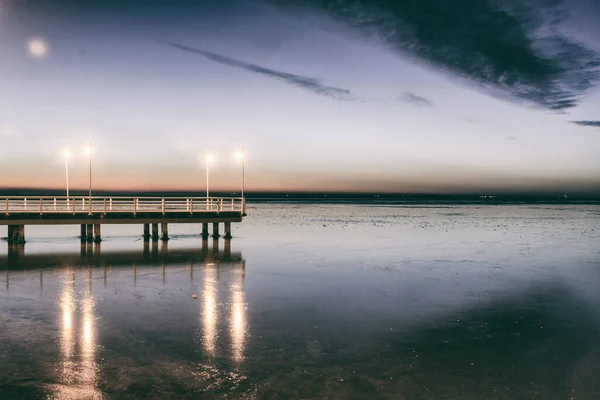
[(37, 48)]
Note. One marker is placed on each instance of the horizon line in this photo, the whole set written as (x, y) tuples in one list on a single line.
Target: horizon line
[(252, 193)]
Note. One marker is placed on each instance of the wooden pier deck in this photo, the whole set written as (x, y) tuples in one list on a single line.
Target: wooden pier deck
[(91, 212)]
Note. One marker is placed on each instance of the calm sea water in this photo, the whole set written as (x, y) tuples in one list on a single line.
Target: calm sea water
[(311, 301)]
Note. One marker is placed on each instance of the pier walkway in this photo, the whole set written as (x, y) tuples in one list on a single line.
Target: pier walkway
[(91, 212)]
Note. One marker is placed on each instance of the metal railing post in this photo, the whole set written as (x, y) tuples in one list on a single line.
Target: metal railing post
[(73, 203), (105, 206), (134, 207), (7, 206), (163, 206), (220, 205), (110, 201), (25, 203), (41, 207), (191, 206), (55, 204)]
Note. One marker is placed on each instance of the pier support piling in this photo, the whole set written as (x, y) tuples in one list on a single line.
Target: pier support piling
[(205, 230), (155, 232), (89, 232), (215, 230), (97, 235), (165, 231), (146, 232), (16, 234), (227, 230), (83, 234)]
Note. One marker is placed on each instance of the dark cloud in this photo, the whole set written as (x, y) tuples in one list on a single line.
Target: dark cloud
[(588, 123), (516, 46), (312, 84), (416, 100)]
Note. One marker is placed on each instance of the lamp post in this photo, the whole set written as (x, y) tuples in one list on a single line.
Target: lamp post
[(242, 156), (208, 160), (67, 155), (88, 151)]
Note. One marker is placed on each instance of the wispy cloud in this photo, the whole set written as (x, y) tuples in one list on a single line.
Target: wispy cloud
[(512, 46), (304, 82), (588, 123), (416, 100)]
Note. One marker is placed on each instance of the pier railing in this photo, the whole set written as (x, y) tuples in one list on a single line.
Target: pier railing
[(107, 205)]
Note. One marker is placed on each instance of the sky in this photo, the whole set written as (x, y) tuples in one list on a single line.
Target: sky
[(469, 96)]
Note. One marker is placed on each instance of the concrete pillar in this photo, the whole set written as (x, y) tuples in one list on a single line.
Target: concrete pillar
[(154, 231), (165, 231), (89, 232), (146, 232), (227, 230), (97, 235), (16, 234), (83, 234), (216, 230), (205, 231)]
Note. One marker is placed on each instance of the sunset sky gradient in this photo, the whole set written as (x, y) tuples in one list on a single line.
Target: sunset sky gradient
[(319, 99)]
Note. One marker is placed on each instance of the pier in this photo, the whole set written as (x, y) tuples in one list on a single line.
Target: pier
[(92, 212)]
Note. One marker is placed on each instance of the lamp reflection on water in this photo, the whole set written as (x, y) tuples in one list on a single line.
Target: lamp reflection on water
[(88, 344), (238, 322), (67, 344), (78, 377), (234, 316), (209, 311)]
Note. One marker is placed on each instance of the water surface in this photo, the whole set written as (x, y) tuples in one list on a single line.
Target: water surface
[(311, 301)]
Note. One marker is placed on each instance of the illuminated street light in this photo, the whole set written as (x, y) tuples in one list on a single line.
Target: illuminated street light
[(88, 151), (208, 160), (67, 155), (242, 156)]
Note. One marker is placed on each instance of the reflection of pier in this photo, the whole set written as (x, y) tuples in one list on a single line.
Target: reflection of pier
[(91, 254), (97, 297)]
